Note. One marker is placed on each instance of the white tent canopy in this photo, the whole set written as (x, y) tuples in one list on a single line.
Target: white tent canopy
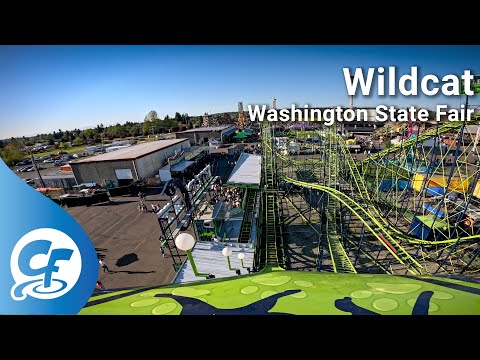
[(247, 171)]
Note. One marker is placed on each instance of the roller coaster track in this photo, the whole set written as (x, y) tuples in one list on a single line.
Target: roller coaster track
[(370, 216), (372, 209), (377, 229), (340, 260), (448, 127), (365, 196), (351, 242), (338, 255), (271, 245)]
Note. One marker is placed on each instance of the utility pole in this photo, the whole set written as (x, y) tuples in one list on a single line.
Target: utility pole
[(342, 126), (36, 168)]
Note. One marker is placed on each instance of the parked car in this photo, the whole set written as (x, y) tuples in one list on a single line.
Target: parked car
[(24, 162), (29, 181), (23, 169), (58, 163), (62, 153), (48, 161)]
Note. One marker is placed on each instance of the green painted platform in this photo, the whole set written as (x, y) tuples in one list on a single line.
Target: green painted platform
[(300, 293)]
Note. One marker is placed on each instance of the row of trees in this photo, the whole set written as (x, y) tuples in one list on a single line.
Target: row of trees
[(10, 154), (12, 150)]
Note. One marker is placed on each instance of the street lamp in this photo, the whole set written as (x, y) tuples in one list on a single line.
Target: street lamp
[(186, 242), (241, 256), (227, 252)]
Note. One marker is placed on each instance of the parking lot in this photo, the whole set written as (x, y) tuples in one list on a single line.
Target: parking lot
[(48, 169), (127, 240)]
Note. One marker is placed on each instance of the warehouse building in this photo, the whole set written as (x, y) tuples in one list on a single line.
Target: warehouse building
[(202, 135), (64, 181), (125, 166)]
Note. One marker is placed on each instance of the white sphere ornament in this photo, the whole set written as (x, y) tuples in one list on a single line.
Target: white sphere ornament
[(227, 251), (241, 256), (184, 241)]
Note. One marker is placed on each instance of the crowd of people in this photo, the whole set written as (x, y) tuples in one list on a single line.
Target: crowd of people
[(253, 149), (232, 197)]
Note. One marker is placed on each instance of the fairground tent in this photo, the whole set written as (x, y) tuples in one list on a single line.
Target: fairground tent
[(246, 172), (242, 135)]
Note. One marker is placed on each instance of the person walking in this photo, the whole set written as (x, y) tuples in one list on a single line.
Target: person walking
[(99, 285), (162, 250), (103, 265)]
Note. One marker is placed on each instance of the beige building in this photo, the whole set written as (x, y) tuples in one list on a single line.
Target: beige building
[(127, 165)]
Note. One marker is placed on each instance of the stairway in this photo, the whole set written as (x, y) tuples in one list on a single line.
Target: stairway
[(248, 216)]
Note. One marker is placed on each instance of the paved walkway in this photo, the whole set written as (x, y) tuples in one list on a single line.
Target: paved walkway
[(127, 241)]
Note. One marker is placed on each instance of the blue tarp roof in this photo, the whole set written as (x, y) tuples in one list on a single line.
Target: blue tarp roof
[(229, 131)]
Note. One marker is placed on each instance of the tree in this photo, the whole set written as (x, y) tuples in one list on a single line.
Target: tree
[(152, 115), (16, 143), (147, 129), (178, 117), (10, 155), (77, 142), (2, 145)]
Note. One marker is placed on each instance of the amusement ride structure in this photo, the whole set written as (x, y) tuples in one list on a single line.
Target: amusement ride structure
[(397, 231)]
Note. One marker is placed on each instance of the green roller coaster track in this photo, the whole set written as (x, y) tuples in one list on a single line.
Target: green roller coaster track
[(345, 291), (367, 210), (378, 230), (376, 227)]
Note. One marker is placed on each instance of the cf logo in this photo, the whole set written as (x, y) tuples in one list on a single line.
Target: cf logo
[(45, 264)]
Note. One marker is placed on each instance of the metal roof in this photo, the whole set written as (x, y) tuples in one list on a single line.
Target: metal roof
[(182, 166), (229, 131), (246, 171), (209, 259), (207, 128), (131, 152)]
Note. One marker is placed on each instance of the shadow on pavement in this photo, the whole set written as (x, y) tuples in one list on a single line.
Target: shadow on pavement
[(127, 260)]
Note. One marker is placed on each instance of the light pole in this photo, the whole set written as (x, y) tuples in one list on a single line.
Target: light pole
[(36, 168), (186, 242), (227, 252), (241, 256)]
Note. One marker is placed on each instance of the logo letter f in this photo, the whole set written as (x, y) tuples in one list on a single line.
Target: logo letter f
[(41, 247)]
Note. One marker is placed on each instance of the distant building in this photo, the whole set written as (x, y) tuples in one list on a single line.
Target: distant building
[(202, 135), (127, 165), (65, 181), (362, 127)]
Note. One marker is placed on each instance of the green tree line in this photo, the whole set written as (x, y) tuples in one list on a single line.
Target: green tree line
[(12, 150)]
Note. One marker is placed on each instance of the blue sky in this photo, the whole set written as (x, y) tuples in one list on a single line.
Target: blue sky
[(44, 88)]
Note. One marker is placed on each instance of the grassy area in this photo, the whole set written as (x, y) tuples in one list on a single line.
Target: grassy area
[(55, 151)]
